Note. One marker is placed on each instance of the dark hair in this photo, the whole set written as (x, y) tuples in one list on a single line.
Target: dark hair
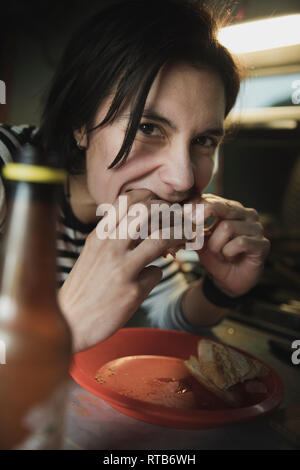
[(122, 48)]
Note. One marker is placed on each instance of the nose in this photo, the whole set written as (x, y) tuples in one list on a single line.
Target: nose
[(177, 171)]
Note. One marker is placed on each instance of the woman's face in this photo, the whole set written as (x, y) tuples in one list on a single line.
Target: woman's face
[(174, 149)]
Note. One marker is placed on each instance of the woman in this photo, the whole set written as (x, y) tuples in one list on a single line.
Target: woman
[(137, 107)]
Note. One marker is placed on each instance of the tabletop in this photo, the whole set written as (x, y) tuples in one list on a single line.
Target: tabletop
[(93, 424)]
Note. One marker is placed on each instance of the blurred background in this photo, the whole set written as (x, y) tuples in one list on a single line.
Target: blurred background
[(259, 162)]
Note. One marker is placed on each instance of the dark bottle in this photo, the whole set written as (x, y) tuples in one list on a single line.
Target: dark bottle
[(34, 336)]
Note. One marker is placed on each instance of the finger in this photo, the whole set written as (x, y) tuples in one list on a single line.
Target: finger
[(148, 278), (230, 229), (214, 197), (224, 210), (227, 209), (144, 218), (148, 217), (120, 207), (150, 249), (134, 196), (248, 245), (217, 210), (114, 222)]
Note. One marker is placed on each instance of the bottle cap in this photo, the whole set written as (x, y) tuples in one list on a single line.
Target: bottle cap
[(33, 173), (33, 165)]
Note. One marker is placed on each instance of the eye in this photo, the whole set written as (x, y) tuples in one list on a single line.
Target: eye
[(149, 129), (206, 141)]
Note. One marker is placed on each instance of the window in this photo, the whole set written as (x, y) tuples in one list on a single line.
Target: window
[(270, 91)]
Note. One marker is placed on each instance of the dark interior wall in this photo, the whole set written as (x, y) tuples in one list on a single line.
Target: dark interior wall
[(33, 35), (257, 167), (255, 9)]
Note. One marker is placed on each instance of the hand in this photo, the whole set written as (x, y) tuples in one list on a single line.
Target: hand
[(110, 280), (235, 251)]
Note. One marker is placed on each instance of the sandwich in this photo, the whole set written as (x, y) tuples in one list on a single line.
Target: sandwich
[(219, 367), (207, 230)]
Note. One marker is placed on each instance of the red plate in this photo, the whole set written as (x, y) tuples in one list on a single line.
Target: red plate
[(135, 385)]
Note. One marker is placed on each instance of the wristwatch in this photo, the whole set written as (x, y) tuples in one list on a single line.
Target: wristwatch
[(217, 297)]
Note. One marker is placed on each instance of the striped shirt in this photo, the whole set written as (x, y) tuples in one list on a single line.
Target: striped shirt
[(163, 305)]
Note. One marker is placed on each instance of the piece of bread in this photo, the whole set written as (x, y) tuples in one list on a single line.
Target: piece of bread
[(219, 367), (226, 395), (206, 232)]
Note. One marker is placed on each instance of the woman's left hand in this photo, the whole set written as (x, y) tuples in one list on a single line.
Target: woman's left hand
[(235, 252)]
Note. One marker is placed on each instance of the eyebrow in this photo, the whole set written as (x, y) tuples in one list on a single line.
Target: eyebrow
[(154, 116)]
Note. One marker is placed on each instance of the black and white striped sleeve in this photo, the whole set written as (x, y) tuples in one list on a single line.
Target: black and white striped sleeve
[(11, 138)]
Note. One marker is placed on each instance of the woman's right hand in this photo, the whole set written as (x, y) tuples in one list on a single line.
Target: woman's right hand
[(110, 280)]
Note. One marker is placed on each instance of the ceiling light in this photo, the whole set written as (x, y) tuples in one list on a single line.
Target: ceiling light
[(261, 35)]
